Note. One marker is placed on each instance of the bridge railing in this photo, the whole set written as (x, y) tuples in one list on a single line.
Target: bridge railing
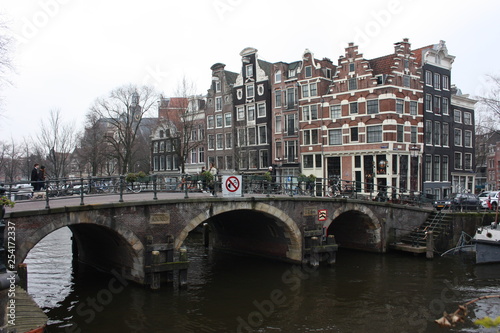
[(83, 187)]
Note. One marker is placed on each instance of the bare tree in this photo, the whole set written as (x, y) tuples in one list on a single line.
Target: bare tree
[(6, 45), (185, 119), (489, 106), (56, 142), (123, 111), (94, 151), (11, 161)]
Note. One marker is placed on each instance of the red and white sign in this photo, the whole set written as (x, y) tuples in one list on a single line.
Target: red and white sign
[(231, 186), (322, 214)]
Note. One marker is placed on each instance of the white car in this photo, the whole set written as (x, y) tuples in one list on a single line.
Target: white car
[(492, 196)]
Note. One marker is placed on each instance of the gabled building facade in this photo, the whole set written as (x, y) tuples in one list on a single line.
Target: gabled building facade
[(436, 66), (463, 172), (220, 120), (391, 124), (252, 114), (374, 124), (314, 81), (285, 119)]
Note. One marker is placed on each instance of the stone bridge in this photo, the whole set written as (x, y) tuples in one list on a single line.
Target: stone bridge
[(122, 236)]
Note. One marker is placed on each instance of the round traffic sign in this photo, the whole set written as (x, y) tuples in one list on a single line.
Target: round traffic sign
[(232, 184)]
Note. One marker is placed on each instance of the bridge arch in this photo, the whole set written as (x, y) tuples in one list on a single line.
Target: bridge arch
[(100, 243), (291, 230), (356, 226)]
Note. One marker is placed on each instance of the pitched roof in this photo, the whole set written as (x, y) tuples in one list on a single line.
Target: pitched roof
[(382, 65), (230, 77), (419, 52), (266, 66)]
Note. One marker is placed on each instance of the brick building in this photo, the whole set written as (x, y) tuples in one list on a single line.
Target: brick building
[(219, 119)]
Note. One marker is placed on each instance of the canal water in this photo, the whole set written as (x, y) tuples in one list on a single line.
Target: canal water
[(363, 292)]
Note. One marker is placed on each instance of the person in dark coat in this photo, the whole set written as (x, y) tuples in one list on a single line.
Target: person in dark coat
[(35, 177), (41, 177)]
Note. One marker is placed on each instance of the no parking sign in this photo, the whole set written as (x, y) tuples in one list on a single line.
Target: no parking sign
[(231, 186)]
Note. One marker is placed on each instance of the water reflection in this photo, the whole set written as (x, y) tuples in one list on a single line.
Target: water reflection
[(363, 292)]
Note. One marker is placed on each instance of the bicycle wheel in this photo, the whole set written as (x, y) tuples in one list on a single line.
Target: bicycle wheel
[(136, 188)]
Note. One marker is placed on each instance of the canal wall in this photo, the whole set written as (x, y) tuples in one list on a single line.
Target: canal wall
[(462, 222)]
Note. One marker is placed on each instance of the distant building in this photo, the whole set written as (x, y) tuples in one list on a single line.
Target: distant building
[(487, 161), (178, 140)]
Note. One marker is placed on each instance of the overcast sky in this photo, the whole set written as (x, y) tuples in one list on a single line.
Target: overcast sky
[(70, 52)]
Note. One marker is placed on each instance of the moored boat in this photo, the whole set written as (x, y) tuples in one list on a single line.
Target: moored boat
[(487, 241)]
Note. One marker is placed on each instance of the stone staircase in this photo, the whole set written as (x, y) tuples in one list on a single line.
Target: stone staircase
[(416, 241)]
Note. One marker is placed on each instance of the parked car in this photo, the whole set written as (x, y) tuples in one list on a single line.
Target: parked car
[(459, 201), (489, 195)]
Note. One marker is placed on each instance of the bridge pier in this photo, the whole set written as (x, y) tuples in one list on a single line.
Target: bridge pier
[(160, 265), (318, 248)]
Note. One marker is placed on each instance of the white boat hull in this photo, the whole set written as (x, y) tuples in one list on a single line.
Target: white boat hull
[(487, 241)]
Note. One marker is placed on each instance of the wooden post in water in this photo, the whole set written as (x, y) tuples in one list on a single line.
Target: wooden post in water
[(429, 245), (206, 235), (22, 272), (170, 257), (314, 256), (332, 255), (183, 271), (155, 276)]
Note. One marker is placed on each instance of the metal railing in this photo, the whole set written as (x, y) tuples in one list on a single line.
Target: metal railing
[(256, 184)]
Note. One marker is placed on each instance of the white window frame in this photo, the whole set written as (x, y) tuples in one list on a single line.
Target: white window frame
[(335, 111), (218, 103), (376, 136), (219, 122), (428, 78), (210, 122), (240, 112), (250, 91), (249, 70), (335, 136), (277, 76), (228, 119), (260, 107)]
